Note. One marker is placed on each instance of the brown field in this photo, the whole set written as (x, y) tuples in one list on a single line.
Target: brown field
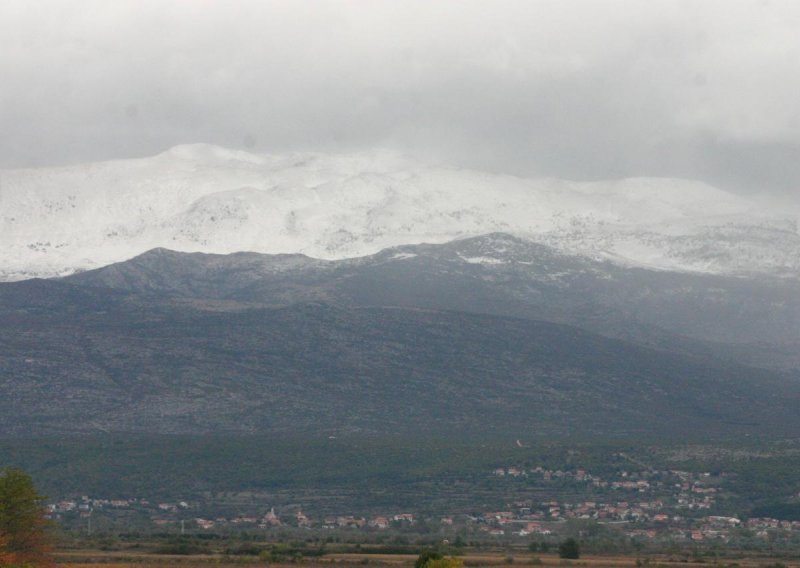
[(100, 559)]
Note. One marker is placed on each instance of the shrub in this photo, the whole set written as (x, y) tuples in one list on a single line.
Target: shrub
[(569, 549)]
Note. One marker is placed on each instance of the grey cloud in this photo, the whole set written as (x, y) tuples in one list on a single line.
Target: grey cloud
[(581, 89)]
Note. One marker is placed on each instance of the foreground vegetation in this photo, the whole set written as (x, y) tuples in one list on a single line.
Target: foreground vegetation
[(24, 538), (262, 554)]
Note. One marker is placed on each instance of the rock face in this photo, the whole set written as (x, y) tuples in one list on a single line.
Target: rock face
[(202, 198)]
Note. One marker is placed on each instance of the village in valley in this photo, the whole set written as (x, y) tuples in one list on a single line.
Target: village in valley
[(668, 506)]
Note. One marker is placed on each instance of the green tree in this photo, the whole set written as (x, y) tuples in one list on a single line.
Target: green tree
[(434, 559), (426, 556), (23, 527), (569, 549)]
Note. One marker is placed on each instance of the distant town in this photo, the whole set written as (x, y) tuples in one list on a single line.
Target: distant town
[(669, 505)]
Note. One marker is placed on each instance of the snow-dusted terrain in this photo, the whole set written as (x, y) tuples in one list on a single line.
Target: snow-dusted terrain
[(56, 221)]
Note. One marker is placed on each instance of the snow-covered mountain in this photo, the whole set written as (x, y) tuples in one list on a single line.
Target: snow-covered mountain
[(55, 221)]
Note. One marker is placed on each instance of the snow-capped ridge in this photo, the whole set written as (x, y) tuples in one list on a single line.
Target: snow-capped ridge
[(204, 198)]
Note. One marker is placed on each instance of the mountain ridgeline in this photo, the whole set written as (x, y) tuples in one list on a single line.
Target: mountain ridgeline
[(487, 335), (495, 274)]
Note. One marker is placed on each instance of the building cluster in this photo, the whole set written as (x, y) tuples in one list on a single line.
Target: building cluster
[(85, 506), (649, 504), (669, 503), (301, 520)]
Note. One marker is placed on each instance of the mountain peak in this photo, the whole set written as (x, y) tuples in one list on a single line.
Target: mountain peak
[(205, 198)]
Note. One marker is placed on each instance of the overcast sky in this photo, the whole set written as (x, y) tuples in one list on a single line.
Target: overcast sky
[(574, 89)]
